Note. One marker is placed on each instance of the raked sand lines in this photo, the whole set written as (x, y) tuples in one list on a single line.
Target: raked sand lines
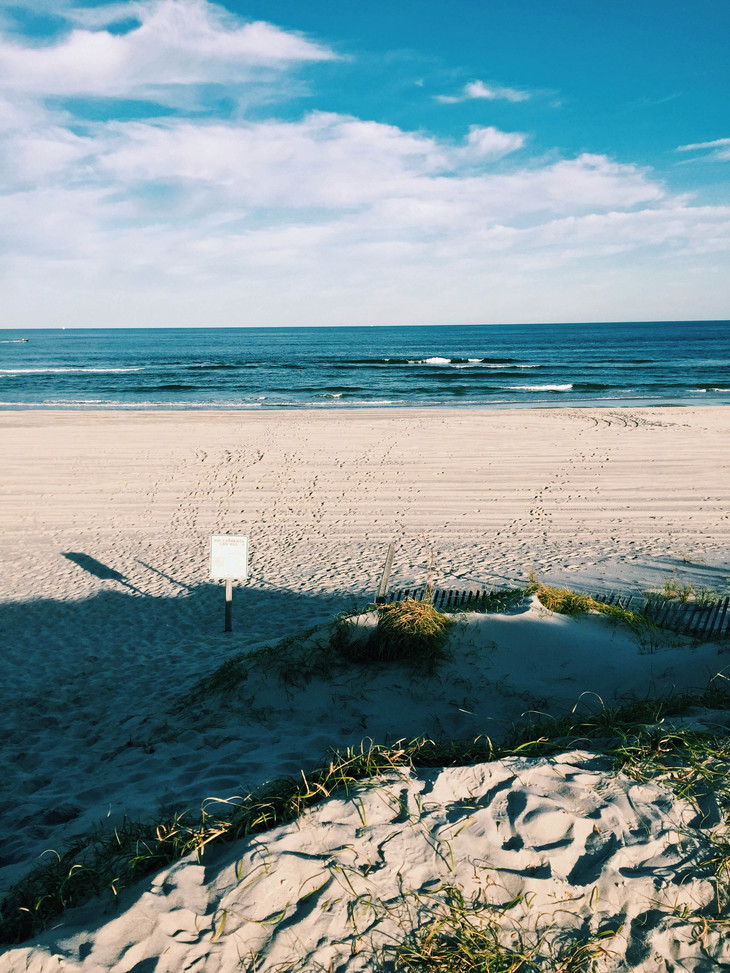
[(320, 494)]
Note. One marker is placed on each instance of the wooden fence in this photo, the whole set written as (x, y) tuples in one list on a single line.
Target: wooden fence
[(445, 598), (702, 619)]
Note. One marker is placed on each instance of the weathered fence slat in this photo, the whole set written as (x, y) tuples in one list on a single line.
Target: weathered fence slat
[(709, 609), (714, 617), (723, 613)]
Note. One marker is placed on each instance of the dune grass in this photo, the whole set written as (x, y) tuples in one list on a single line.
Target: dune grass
[(295, 660), (563, 601), (684, 592), (409, 632)]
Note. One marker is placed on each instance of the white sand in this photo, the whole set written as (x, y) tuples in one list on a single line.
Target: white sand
[(586, 850), (578, 493), (98, 648)]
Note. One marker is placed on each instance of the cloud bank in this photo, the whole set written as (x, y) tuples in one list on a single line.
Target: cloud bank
[(171, 42), (179, 215)]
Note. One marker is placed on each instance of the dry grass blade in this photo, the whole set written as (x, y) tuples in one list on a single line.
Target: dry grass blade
[(412, 631), (476, 937)]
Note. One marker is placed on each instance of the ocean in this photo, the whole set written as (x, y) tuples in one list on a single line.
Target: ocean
[(492, 366)]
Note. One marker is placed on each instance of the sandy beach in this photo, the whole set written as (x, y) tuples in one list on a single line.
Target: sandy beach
[(108, 621), (592, 495)]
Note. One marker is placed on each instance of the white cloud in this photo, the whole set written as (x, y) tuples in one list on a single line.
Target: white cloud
[(703, 145), (325, 218), (490, 141), (33, 157), (479, 90), (721, 149), (334, 165), (176, 42), (324, 160), (363, 184)]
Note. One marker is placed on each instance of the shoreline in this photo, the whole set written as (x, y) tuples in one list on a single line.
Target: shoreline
[(339, 407)]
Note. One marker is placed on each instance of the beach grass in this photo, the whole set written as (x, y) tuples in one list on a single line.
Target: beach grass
[(685, 592), (295, 660), (472, 935), (563, 601), (409, 631)]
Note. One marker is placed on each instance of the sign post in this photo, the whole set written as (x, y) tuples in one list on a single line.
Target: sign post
[(229, 563), (229, 605)]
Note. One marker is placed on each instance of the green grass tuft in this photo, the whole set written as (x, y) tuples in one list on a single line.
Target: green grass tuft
[(573, 603), (408, 631), (563, 601), (411, 630)]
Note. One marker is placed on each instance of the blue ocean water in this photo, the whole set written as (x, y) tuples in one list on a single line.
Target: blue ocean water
[(629, 364)]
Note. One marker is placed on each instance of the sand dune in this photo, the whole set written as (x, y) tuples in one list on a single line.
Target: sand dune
[(581, 850), (585, 849)]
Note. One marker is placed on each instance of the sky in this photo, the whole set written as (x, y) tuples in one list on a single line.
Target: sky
[(282, 162)]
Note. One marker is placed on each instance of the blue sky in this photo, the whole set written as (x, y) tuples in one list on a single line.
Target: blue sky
[(182, 162)]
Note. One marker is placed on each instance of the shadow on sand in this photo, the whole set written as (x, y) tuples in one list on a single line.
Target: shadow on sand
[(34, 631), (99, 570)]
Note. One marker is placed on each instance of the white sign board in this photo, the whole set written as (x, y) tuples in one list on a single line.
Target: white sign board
[(228, 557)]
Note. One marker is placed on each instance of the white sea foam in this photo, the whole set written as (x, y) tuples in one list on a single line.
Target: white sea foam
[(539, 388), (502, 366), (127, 405), (469, 363), (62, 371)]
